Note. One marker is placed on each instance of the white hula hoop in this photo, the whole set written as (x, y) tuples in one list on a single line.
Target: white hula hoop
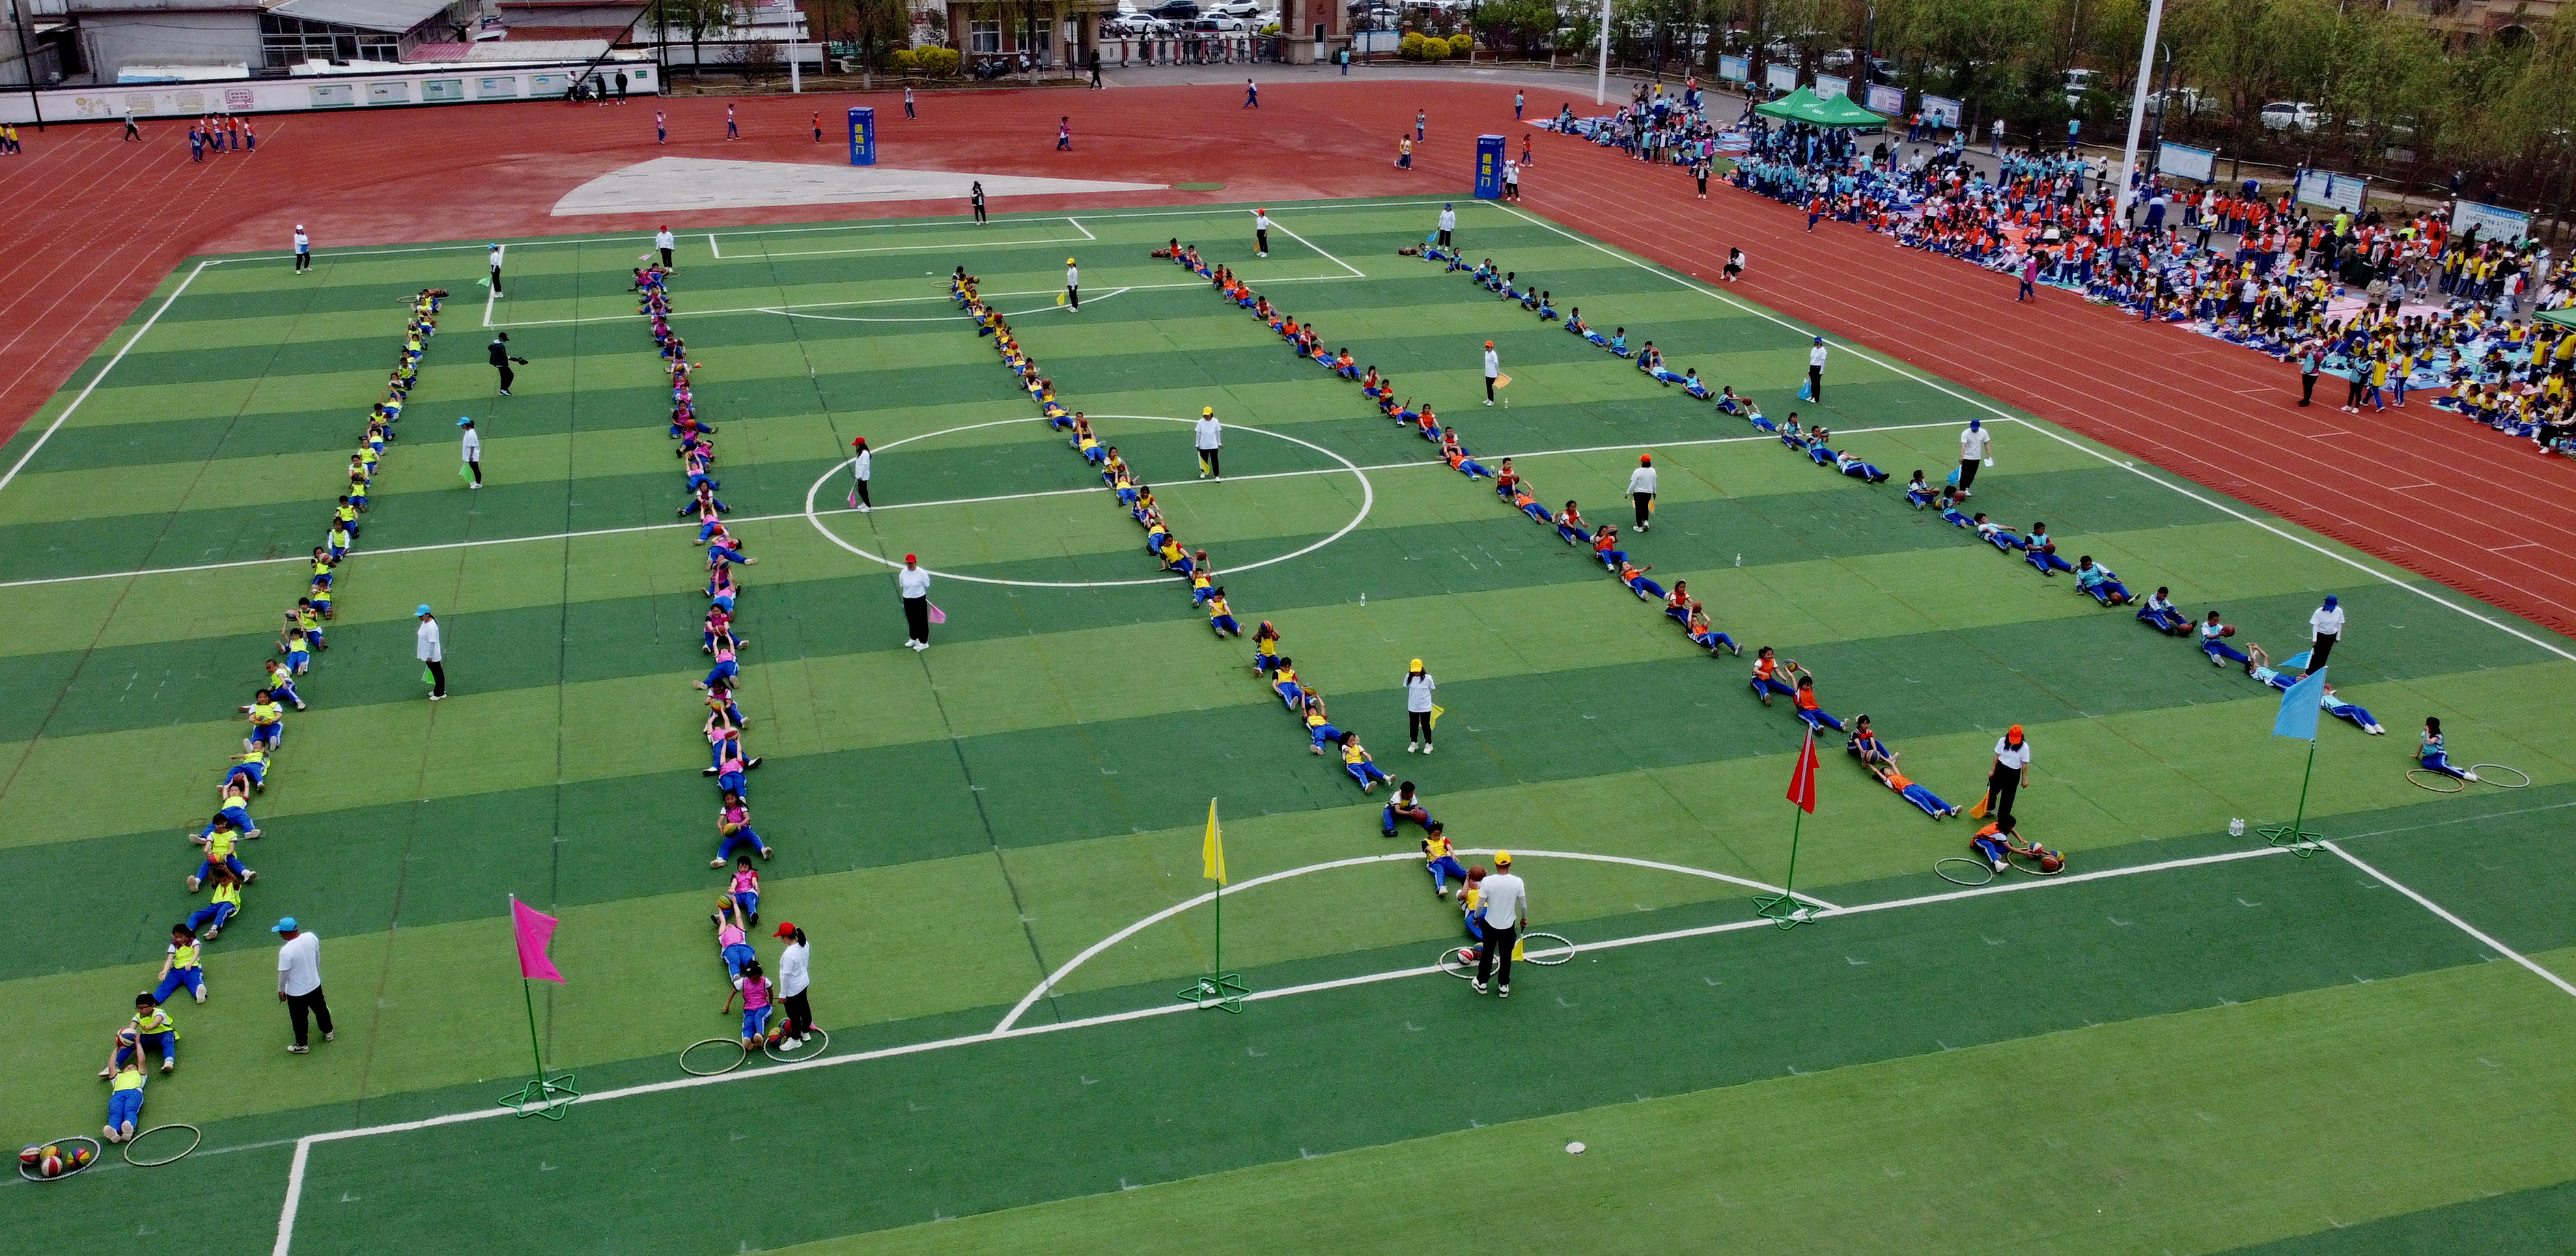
[(2427, 778), (1985, 871), (769, 1047), (739, 1056), (2484, 771)]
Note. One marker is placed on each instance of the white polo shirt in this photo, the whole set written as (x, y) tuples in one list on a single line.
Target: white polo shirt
[(914, 581), (2328, 621), (1974, 442), (299, 964), (792, 978), (1505, 900), (2006, 755)]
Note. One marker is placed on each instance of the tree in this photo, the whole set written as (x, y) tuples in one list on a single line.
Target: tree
[(699, 18)]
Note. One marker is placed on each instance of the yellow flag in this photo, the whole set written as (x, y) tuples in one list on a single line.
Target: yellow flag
[(1436, 712), (1214, 851)]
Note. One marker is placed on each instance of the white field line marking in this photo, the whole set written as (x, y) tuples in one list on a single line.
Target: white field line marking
[(915, 248), (95, 380), (786, 312), (950, 501), (1939, 386), (1086, 231), (2462, 925), (304, 1145), (832, 305), (713, 247), (1368, 500), (1283, 230), (576, 240), (1055, 978)]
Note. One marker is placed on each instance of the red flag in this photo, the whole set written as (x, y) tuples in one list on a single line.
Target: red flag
[(1802, 783), (535, 929)]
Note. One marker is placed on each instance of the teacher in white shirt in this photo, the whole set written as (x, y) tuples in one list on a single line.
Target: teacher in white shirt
[(915, 584), (2327, 623), (1973, 444)]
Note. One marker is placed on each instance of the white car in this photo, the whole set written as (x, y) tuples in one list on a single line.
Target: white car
[(2282, 115)]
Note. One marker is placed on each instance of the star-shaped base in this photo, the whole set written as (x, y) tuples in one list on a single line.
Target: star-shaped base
[(1784, 910), (549, 1097), (1219, 990), (2301, 842)]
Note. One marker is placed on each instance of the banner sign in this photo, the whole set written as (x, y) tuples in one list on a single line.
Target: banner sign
[(2333, 191), (1735, 69), (2493, 222), (2185, 162), (1829, 87), (1778, 77), (1885, 99), (1941, 111)]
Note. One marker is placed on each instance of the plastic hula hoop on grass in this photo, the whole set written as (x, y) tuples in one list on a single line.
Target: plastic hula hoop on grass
[(2024, 863), (1560, 950), (1984, 872), (739, 1055), (195, 1136), (2438, 782), (95, 1151), (769, 1047), (2486, 776)]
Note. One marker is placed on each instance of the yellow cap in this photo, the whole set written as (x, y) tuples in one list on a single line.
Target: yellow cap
[(1502, 859), (1068, 261), (1417, 665), (1208, 411)]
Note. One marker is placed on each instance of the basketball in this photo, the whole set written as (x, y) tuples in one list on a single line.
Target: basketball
[(2051, 861), (51, 1166), (30, 1154), (2227, 631)]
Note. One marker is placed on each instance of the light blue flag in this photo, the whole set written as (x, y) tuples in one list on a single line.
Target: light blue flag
[(2299, 707)]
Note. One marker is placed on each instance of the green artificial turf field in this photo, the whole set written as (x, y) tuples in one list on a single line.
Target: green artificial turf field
[(2193, 1042)]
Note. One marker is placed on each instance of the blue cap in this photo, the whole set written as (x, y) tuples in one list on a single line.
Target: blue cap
[(2330, 601), (1975, 424), (424, 609), (467, 421), (285, 925)]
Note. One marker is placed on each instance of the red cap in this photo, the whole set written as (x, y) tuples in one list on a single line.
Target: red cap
[(786, 929), (910, 559), (1646, 460), (857, 441)]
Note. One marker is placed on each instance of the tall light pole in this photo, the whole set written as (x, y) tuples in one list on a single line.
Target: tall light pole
[(2138, 109), (1601, 79)]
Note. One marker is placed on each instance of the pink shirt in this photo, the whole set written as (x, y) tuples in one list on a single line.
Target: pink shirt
[(729, 935), (746, 879), (755, 993)]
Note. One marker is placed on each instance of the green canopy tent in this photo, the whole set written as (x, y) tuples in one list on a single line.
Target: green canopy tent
[(2564, 318), (1805, 106)]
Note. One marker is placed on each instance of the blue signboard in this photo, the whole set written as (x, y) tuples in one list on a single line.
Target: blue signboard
[(1489, 167), (863, 137)]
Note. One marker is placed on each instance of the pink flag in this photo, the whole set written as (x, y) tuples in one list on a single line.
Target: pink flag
[(535, 930), (937, 616)]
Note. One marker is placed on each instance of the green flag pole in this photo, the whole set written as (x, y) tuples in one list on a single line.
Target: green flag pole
[(2295, 834), (1219, 988), (549, 1097), (1783, 908)]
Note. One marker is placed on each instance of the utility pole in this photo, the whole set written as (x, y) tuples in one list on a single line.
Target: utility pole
[(1601, 79), (27, 62), (2138, 110)]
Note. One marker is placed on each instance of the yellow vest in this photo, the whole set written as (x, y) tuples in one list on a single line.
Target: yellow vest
[(129, 1079), (183, 956)]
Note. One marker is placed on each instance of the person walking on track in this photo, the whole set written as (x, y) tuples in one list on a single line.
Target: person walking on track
[(915, 586), (1973, 444), (1072, 285), (473, 448), (860, 457), (431, 651), (1209, 436), (1251, 94), (499, 350), (1641, 489), (1418, 687), (2010, 772), (299, 982), (1504, 905), (132, 132), (907, 104), (2327, 623), (1261, 233), (1493, 371), (1816, 371)]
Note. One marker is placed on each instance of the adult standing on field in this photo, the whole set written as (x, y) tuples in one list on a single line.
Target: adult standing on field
[(502, 358), (1503, 904), (1973, 444), (431, 651), (299, 981), (793, 978), (1448, 223), (494, 257), (1493, 371), (860, 460), (915, 586), (2010, 772), (1261, 233), (303, 242), (1209, 436), (1073, 285), (473, 450), (1418, 687), (977, 196), (1816, 371), (665, 241), (2327, 624), (1641, 489)]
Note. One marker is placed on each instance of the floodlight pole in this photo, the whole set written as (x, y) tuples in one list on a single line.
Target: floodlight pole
[(2138, 110), (1601, 79)]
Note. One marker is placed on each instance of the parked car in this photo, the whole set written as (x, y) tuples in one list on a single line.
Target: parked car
[(2283, 115), (1840, 60), (1174, 10), (1882, 69)]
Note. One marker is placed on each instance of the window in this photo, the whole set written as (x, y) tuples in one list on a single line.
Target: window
[(285, 41), (986, 36)]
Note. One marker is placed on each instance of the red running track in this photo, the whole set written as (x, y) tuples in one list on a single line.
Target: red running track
[(102, 221)]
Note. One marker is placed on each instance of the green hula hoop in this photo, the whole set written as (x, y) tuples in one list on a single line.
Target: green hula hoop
[(769, 1047), (195, 1136), (2484, 771), (1985, 872), (739, 1055)]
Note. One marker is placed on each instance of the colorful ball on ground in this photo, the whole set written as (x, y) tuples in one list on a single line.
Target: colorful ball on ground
[(51, 1166), (30, 1154), (81, 1157)]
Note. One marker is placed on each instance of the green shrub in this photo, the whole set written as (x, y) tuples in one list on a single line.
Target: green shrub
[(934, 62), (1410, 47), (1461, 43)]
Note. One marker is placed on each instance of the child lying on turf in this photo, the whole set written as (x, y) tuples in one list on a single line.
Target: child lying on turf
[(1904, 786)]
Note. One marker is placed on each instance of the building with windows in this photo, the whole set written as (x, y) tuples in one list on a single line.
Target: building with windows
[(1057, 34), (2467, 25), (157, 40)]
